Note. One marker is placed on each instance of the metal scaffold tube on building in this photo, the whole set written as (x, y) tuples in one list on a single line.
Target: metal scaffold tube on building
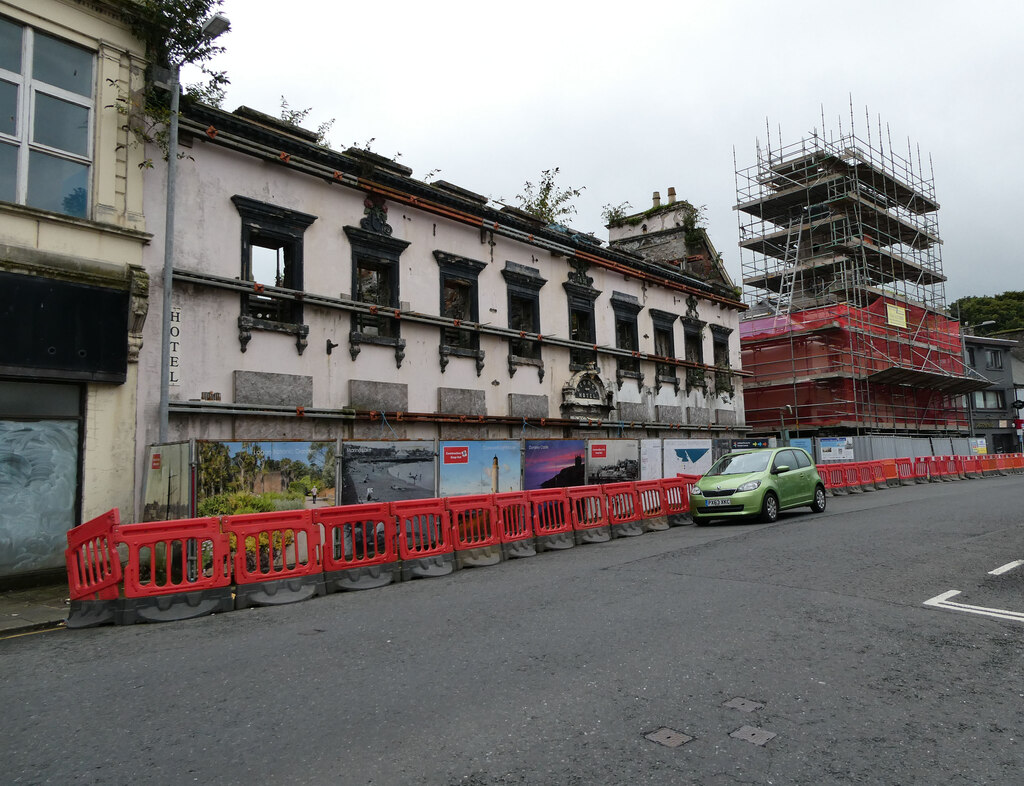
[(847, 330)]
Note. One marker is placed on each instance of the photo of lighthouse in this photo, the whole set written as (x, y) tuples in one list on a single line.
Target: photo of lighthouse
[(486, 467)]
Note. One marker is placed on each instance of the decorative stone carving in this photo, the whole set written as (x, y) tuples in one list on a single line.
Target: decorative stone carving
[(375, 215), (586, 395)]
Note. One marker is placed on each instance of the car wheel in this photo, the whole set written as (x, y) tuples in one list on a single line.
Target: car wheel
[(698, 521), (818, 506), (770, 508)]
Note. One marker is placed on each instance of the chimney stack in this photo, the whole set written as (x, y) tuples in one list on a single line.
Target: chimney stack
[(672, 195), (657, 199)]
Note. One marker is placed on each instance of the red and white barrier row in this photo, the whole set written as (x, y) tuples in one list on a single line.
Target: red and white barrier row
[(188, 568), (855, 476)]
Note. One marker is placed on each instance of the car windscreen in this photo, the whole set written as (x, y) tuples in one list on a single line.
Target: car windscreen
[(740, 464)]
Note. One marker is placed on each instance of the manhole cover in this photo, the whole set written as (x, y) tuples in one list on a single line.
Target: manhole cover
[(670, 738), (744, 705), (752, 735)]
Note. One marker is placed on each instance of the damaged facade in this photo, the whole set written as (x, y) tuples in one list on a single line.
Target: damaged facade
[(322, 295)]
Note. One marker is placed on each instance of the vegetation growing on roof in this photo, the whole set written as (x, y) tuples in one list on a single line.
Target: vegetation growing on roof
[(294, 117), (547, 201)]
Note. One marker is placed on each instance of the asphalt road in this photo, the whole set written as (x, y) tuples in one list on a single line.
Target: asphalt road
[(553, 669)]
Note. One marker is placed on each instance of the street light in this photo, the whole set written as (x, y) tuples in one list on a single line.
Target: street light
[(782, 421), (214, 26)]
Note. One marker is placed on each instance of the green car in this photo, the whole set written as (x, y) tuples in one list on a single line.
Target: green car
[(757, 483)]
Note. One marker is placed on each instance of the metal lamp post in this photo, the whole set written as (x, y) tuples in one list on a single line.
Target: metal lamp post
[(214, 26)]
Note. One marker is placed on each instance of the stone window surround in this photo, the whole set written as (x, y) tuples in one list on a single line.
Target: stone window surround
[(465, 271), (386, 250), (524, 282), (282, 226), (627, 308)]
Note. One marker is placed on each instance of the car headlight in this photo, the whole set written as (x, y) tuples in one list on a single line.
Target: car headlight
[(750, 485), (696, 492)]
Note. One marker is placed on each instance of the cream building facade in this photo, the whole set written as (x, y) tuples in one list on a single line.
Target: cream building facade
[(73, 291), (321, 295)]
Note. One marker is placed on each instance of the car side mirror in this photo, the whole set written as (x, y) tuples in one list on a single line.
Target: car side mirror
[(780, 469)]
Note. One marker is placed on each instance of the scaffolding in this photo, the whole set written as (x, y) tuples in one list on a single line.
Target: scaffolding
[(847, 330)]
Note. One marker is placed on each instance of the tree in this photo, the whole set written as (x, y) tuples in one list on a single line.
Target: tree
[(546, 201), (1005, 311), (172, 31)]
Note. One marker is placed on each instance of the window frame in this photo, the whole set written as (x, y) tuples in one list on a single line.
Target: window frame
[(980, 397), (993, 358), (376, 248), (465, 272), (28, 88), (524, 283), (280, 228), (720, 341), (663, 322), (626, 309), (693, 352)]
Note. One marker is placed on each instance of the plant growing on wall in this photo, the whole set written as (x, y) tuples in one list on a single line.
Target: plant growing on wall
[(294, 117), (547, 201), (612, 214), (172, 33)]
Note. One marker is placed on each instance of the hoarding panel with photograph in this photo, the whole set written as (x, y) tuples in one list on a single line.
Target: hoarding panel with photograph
[(484, 467), (553, 463)]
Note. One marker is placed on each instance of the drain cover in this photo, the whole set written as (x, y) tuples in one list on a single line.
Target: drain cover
[(744, 705), (752, 735), (670, 738)]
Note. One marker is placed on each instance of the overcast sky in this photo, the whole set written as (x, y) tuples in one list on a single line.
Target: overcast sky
[(628, 99)]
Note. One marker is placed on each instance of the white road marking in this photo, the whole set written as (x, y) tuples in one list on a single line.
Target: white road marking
[(1006, 568), (943, 602)]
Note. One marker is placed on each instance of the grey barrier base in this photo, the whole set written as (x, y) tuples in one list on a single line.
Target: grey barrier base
[(173, 607), (556, 542), (630, 529), (519, 548), (654, 524), (479, 557), (428, 567), (592, 535), (279, 591), (361, 578), (90, 613), (679, 519)]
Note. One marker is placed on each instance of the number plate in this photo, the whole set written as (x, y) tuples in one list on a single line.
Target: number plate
[(717, 502)]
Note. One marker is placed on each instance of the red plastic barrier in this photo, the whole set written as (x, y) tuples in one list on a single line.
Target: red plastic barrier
[(878, 474), (424, 538), (357, 536), (676, 493), (905, 470), (623, 506), (166, 557), (93, 564), (851, 475), (922, 469), (424, 529), (864, 477), (515, 524), (588, 507), (275, 546), (550, 509), (476, 535), (1002, 464), (650, 495), (889, 472), (834, 476), (514, 520)]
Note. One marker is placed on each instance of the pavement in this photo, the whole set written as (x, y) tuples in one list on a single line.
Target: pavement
[(34, 608)]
